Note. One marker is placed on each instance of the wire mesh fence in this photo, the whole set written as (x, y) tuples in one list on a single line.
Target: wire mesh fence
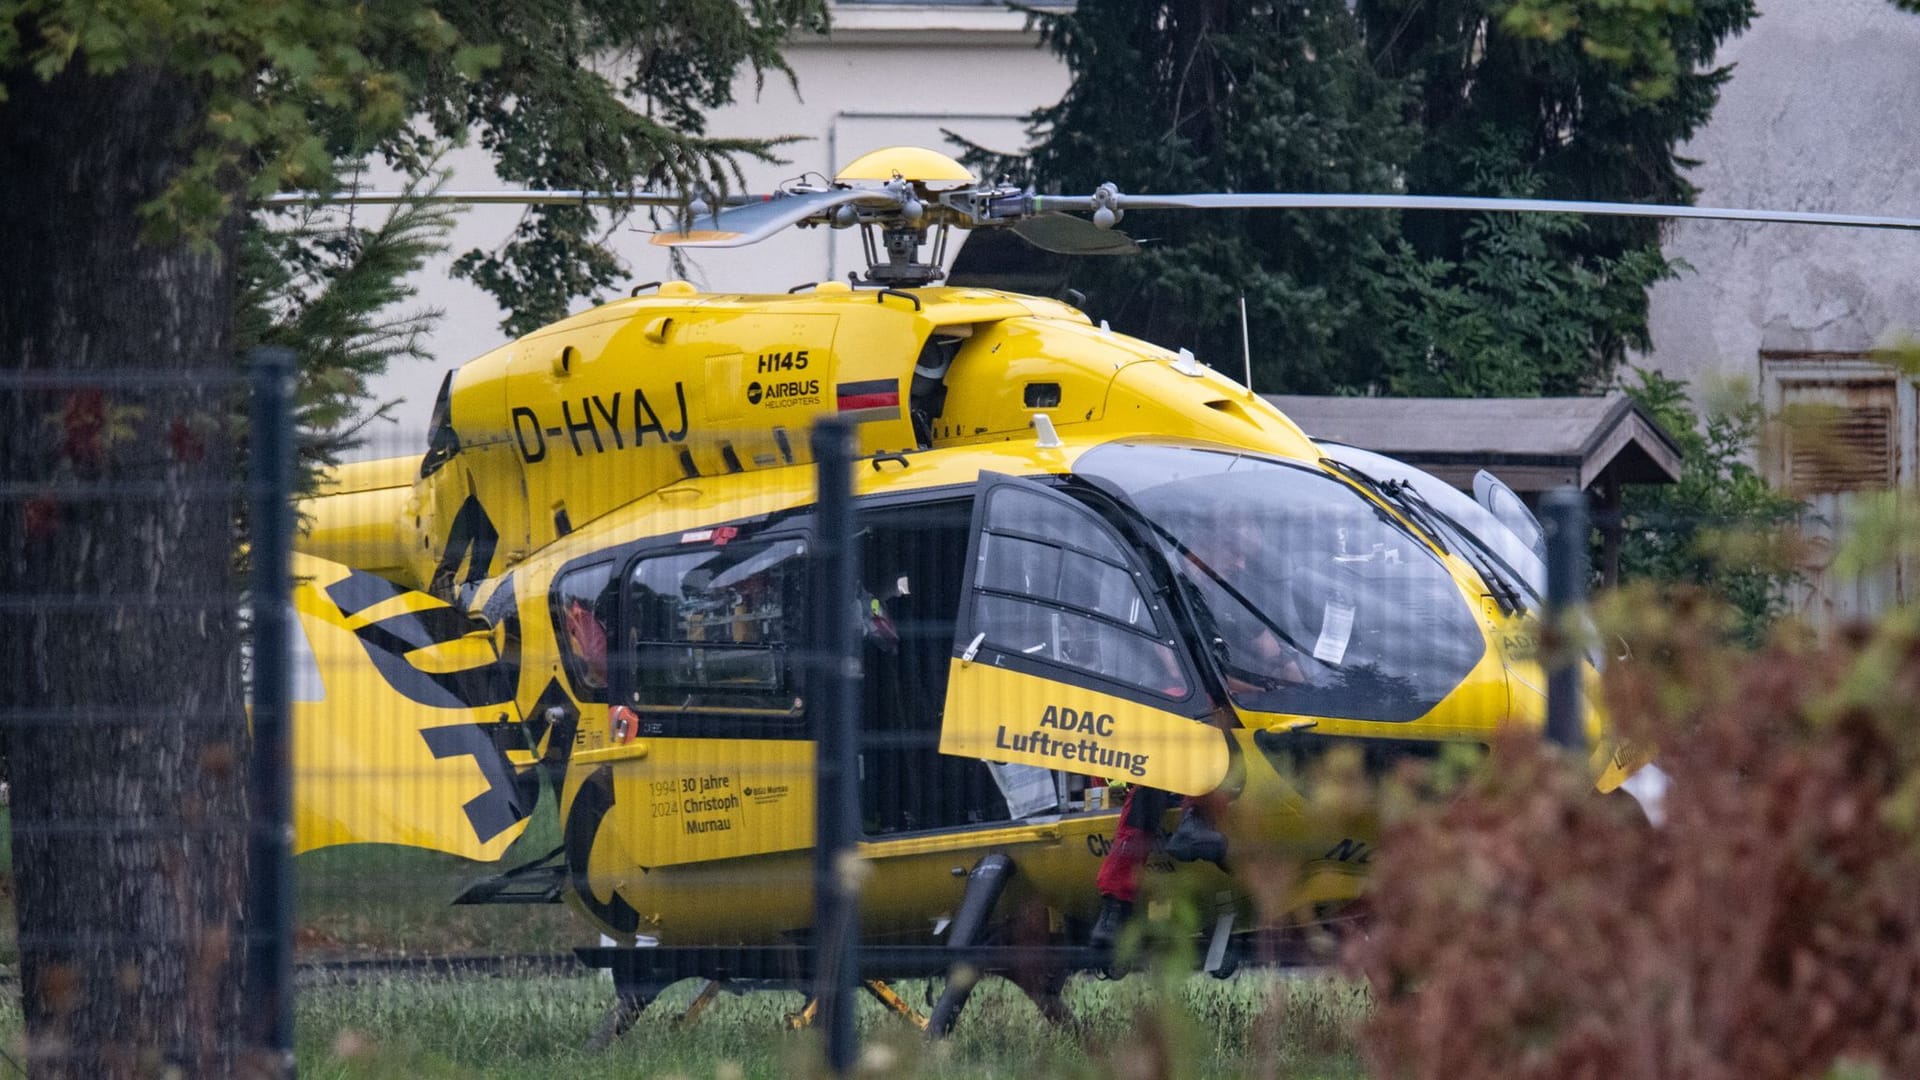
[(601, 745), (126, 741)]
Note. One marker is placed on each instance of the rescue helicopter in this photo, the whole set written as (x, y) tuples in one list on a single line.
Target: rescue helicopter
[(1088, 560)]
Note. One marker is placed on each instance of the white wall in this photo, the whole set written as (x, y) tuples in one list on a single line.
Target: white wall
[(1822, 113), (889, 75)]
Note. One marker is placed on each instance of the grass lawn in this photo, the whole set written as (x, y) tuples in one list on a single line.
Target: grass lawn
[(381, 900), (384, 901), (1257, 1024)]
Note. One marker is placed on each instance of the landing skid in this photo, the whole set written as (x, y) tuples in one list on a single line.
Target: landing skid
[(1039, 969)]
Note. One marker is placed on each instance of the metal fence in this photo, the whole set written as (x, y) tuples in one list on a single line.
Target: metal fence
[(812, 720), (123, 708)]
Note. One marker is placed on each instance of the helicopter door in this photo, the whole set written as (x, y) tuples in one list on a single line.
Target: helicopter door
[(1507, 508), (1066, 657)]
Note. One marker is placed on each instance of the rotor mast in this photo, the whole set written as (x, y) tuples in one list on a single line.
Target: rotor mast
[(894, 263)]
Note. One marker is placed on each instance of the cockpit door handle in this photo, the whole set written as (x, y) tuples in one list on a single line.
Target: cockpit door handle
[(973, 647)]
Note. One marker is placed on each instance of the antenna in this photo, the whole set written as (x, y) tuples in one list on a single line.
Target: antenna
[(1246, 346), (1049, 439)]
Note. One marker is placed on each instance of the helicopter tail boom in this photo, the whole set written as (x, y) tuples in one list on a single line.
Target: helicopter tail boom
[(356, 516)]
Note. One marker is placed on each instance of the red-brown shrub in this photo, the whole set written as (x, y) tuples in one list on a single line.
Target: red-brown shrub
[(1770, 928)]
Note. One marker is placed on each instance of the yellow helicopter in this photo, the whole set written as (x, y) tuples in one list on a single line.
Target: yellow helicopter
[(1089, 561)]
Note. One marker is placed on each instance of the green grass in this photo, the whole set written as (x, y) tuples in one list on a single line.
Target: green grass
[(365, 901), (505, 1029), (372, 899)]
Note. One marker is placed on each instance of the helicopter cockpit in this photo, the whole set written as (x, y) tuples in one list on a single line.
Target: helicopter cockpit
[(1310, 599)]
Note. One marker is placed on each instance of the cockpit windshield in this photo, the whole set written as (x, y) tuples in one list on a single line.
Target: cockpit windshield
[(1311, 599), (1515, 558)]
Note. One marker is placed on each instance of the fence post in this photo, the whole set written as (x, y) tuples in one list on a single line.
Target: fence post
[(269, 911), (833, 703), (1563, 513)]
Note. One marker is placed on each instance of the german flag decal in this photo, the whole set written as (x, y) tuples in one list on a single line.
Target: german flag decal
[(869, 399)]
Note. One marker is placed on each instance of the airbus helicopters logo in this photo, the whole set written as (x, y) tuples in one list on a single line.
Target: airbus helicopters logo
[(783, 395), (623, 420)]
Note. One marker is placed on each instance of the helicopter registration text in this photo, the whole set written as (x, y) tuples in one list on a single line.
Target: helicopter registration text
[(624, 423)]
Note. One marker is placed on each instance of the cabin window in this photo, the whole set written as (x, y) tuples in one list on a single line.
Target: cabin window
[(1052, 585), (1310, 599), (444, 441), (716, 629), (582, 602)]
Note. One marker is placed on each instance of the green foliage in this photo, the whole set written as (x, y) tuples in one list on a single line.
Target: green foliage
[(1570, 111), (1218, 96), (557, 110), (1518, 313), (325, 284), (1722, 526), (292, 89), (280, 82), (1628, 36), (1551, 98), (1580, 99)]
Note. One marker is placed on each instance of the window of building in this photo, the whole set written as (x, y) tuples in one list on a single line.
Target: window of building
[(1844, 423)]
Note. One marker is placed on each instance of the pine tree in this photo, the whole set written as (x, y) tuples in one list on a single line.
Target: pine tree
[(1215, 95), (1547, 98), (604, 97), (1557, 99), (332, 285)]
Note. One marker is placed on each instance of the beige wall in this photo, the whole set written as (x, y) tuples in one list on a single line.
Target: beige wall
[(889, 75), (1820, 114)]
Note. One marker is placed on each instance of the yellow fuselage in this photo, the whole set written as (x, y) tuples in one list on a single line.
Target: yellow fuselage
[(609, 442)]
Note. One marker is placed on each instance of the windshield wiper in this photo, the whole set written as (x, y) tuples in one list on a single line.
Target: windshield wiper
[(1421, 514), (1403, 496), (1504, 592), (1227, 587)]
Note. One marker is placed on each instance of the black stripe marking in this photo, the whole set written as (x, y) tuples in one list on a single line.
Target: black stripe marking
[(867, 386)]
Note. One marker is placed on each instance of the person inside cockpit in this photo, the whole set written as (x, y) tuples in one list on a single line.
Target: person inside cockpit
[(1249, 656)]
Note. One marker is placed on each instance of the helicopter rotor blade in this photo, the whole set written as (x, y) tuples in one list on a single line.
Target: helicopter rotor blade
[(1254, 201), (476, 198), (753, 222), (1064, 234)]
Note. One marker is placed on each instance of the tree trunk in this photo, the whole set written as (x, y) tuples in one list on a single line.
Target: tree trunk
[(124, 722)]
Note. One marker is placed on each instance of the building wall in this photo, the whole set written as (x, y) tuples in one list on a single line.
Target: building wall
[(1821, 114), (890, 74)]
